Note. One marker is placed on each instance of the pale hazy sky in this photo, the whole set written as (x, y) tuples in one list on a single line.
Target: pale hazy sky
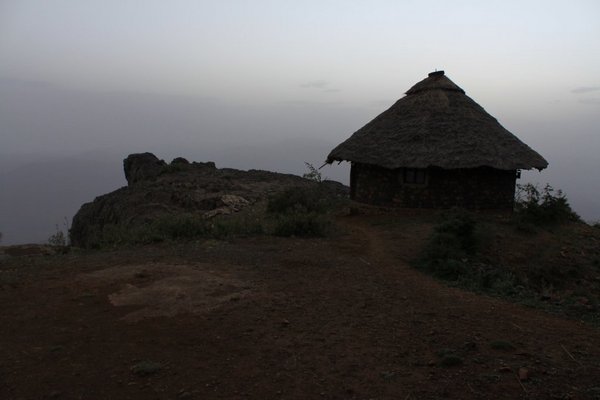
[(185, 76), (333, 51)]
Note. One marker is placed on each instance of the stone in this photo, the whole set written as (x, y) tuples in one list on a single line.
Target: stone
[(233, 202), (206, 165), (142, 167), (180, 160), (523, 374)]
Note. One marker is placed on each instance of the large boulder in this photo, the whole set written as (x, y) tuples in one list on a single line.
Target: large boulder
[(142, 167)]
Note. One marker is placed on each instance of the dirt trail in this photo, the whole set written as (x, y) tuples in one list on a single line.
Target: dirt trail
[(271, 318)]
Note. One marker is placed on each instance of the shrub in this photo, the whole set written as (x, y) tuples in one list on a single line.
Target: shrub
[(145, 368), (548, 206), (489, 279), (454, 239), (451, 360), (452, 253), (302, 211), (555, 275), (313, 174), (463, 250), (300, 199), (237, 226), (461, 226), (502, 345), (59, 239), (184, 226), (307, 224), (173, 227)]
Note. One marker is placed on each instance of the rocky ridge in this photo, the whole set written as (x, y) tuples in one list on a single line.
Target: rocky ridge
[(156, 189)]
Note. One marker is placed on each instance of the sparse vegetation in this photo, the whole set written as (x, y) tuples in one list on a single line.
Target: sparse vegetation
[(145, 368), (301, 211), (464, 250), (452, 243), (177, 227), (300, 199), (502, 345), (60, 239), (313, 173), (449, 358), (302, 224), (541, 208), (57, 239)]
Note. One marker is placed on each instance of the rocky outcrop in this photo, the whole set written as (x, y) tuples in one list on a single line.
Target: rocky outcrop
[(156, 189), (143, 166)]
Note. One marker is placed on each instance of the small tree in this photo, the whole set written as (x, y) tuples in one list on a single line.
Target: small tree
[(543, 207), (59, 238), (313, 173)]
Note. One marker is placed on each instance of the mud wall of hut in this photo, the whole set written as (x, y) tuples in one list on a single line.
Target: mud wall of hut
[(475, 188)]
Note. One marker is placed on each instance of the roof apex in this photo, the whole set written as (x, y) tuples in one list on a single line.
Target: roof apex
[(436, 73), (436, 80)]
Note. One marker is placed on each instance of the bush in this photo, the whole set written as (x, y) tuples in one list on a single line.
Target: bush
[(177, 227), (237, 226), (300, 199), (60, 239), (307, 224), (313, 173), (545, 207), (502, 345), (302, 211), (453, 241), (452, 254), (541, 276), (464, 251), (145, 368), (451, 360)]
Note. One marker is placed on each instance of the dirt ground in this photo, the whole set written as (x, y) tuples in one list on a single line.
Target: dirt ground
[(270, 318)]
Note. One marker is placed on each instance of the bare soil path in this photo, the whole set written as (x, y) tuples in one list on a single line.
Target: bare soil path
[(270, 318)]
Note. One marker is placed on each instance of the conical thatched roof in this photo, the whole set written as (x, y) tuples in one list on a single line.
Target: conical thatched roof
[(437, 125)]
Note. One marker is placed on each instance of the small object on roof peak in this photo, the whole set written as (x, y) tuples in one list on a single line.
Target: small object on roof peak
[(436, 73)]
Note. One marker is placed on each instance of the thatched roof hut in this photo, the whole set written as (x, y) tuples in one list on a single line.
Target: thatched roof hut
[(436, 126)]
